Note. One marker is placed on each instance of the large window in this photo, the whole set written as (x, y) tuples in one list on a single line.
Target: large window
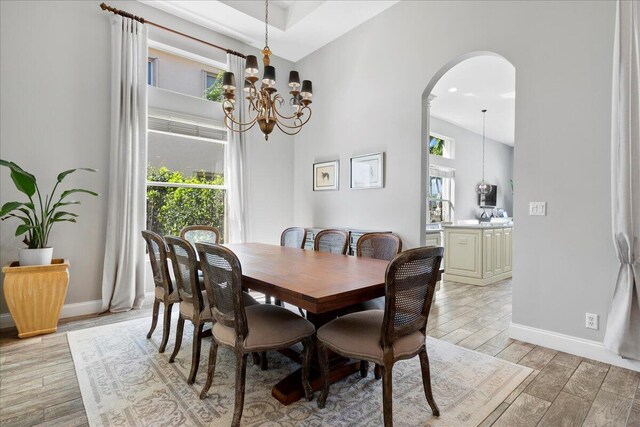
[(185, 174), (440, 201)]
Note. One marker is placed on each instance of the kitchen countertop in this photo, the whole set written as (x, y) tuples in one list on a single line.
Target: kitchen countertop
[(482, 225)]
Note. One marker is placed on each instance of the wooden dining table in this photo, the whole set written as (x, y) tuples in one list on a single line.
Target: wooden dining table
[(320, 283)]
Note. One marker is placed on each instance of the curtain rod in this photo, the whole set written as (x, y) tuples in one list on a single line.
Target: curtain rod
[(140, 19)]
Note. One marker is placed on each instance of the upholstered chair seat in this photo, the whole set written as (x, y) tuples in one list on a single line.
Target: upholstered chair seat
[(357, 335), (270, 327), (173, 296)]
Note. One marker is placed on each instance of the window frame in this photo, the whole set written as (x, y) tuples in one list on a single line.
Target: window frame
[(448, 192), (154, 71), (448, 152)]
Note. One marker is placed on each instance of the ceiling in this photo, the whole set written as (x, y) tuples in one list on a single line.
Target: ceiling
[(479, 82), (296, 28)]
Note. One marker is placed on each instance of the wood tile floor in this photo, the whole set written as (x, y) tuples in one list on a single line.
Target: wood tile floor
[(38, 384)]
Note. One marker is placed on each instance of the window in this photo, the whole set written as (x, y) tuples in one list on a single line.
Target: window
[(213, 85), (185, 173), (152, 71), (441, 146), (440, 200)]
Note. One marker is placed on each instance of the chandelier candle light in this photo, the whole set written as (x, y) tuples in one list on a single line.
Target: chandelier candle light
[(264, 103), (482, 187)]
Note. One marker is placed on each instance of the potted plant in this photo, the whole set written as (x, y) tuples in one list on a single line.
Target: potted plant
[(37, 216), (36, 286)]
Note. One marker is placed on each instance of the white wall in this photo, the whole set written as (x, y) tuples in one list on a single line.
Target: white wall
[(467, 162), (55, 114), (368, 86)]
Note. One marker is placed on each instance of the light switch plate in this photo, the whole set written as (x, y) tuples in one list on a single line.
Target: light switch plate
[(538, 208)]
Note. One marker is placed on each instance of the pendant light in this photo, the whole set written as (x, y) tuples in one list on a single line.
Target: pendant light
[(482, 187)]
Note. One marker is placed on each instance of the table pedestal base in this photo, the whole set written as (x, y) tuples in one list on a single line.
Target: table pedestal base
[(289, 389)]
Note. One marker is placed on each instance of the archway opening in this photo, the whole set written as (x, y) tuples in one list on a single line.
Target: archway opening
[(468, 138)]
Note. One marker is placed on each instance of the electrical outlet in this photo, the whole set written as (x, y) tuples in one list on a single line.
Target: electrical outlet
[(591, 321), (538, 208)]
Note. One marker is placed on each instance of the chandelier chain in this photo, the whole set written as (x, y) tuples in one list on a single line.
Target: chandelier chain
[(266, 23)]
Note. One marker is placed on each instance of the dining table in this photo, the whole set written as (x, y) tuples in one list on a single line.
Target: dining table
[(320, 283)]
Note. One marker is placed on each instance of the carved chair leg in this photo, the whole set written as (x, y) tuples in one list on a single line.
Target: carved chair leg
[(387, 395), (264, 363), (267, 299), (256, 358), (166, 327), (195, 352), (323, 355), (364, 368), (154, 319), (176, 347), (241, 374), (211, 369), (307, 343), (426, 382), (377, 371)]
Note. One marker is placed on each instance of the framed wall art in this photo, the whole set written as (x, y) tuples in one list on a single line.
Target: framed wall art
[(326, 176), (367, 171)]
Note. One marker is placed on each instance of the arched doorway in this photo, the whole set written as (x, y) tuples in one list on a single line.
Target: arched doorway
[(426, 126)]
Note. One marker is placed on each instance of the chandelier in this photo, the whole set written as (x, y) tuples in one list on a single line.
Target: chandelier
[(482, 187), (264, 103)]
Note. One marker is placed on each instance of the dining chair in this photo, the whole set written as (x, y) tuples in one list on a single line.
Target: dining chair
[(293, 237), (164, 292), (200, 233), (256, 328), (193, 304), (396, 333), (384, 246), (333, 241)]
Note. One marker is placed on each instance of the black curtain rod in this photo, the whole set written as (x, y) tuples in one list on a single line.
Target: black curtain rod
[(140, 19)]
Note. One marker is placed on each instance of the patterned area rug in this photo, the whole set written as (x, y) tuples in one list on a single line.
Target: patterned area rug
[(125, 382)]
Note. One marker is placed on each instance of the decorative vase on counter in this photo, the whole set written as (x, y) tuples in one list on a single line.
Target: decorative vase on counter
[(35, 295), (29, 257)]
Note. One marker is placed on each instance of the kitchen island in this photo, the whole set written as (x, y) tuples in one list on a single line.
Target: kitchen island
[(478, 254)]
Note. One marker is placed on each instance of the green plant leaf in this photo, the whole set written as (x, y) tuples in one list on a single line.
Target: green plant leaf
[(23, 228), (9, 206), (62, 213), (62, 175), (77, 190), (63, 220), (24, 219), (23, 180)]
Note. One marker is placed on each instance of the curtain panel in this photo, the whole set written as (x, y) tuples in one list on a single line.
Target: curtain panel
[(236, 159), (623, 325), (123, 275)]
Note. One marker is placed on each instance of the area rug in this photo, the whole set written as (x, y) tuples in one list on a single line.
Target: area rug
[(124, 381)]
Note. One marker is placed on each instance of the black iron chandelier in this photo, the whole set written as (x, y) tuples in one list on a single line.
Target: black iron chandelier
[(264, 103)]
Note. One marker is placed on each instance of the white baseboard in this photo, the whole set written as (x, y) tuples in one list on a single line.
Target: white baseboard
[(70, 310), (580, 347)]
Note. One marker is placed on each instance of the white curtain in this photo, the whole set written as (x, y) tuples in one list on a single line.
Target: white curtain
[(123, 274), (623, 325), (235, 154)]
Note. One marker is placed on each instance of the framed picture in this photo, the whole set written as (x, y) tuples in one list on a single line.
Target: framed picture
[(326, 176), (367, 171)]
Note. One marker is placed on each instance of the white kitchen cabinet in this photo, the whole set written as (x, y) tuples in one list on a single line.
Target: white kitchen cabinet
[(478, 254)]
